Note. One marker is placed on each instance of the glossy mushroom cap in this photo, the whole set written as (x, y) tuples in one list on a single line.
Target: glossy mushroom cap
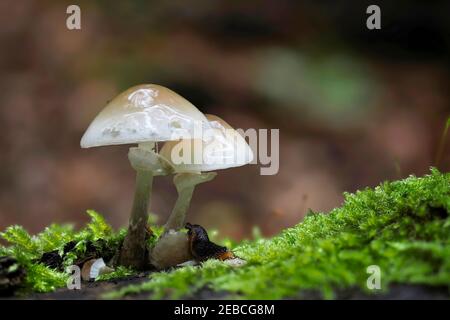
[(222, 148), (143, 113)]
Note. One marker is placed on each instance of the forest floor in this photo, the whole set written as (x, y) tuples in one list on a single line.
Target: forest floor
[(96, 291)]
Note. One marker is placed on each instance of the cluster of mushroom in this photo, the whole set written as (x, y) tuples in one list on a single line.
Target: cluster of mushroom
[(195, 145)]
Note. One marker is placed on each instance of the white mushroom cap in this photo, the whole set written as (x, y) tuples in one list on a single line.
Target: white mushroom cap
[(93, 268), (222, 148), (143, 113)]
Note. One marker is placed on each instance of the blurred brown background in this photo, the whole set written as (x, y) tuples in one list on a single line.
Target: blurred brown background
[(354, 107)]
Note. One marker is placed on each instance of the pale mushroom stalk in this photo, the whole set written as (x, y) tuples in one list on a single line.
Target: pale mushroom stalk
[(135, 237), (134, 250), (147, 164), (185, 184)]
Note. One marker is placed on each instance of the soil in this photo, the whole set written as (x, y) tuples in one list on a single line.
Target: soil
[(396, 292), (91, 290), (95, 290)]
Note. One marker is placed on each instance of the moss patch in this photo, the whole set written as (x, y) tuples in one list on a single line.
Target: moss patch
[(44, 256), (402, 226)]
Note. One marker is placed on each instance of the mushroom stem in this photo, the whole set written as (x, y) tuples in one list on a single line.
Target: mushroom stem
[(178, 215), (134, 249), (185, 184), (147, 163)]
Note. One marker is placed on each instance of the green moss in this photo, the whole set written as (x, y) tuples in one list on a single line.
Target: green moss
[(403, 227), (118, 273), (28, 249)]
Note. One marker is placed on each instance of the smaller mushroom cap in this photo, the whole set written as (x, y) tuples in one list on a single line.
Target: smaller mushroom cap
[(94, 268), (222, 147), (171, 250), (144, 113)]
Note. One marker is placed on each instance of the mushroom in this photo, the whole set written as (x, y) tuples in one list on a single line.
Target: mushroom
[(143, 115), (93, 268), (221, 148)]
